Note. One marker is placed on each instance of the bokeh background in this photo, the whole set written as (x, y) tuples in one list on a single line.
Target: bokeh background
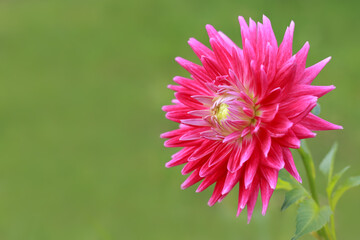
[(81, 89)]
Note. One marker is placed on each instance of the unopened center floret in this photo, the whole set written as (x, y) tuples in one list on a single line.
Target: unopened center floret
[(221, 111)]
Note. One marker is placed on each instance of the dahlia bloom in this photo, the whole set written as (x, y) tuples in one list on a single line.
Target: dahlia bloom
[(241, 111)]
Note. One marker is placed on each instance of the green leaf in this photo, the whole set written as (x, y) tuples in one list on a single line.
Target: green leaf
[(310, 218), (293, 196), (327, 164), (349, 183), (316, 110), (334, 180), (283, 185)]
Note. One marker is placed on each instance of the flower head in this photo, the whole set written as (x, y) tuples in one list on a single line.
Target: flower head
[(241, 111)]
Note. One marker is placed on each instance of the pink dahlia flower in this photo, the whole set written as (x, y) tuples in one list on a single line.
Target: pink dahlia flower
[(241, 111)]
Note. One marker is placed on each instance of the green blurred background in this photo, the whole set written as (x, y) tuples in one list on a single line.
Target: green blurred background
[(81, 89)]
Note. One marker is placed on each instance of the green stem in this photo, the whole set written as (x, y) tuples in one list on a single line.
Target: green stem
[(332, 224), (311, 174), (310, 171), (332, 219)]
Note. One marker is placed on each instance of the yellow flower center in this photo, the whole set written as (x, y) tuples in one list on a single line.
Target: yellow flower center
[(222, 111)]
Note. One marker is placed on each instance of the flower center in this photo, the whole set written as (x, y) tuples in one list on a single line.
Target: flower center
[(221, 111)]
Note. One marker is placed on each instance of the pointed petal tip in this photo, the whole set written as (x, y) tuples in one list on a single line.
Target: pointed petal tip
[(292, 24), (264, 209), (299, 179), (337, 127), (241, 18), (272, 185), (163, 109), (191, 40), (249, 218), (225, 190), (239, 211), (209, 27)]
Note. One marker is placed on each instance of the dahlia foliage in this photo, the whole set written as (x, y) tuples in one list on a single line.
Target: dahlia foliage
[(241, 111)]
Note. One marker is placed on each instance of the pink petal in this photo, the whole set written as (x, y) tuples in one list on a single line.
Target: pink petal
[(300, 59), (209, 180), (290, 165), (234, 160), (289, 140), (217, 192), (195, 122), (302, 132), (251, 170), (200, 49), (315, 123), (191, 180), (310, 73), (275, 159), (266, 193), (180, 157), (285, 49), (252, 201), (268, 112), (231, 179), (271, 176), (248, 147), (317, 91), (220, 154), (265, 141)]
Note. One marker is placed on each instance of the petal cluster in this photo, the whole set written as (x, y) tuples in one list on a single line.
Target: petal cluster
[(242, 110)]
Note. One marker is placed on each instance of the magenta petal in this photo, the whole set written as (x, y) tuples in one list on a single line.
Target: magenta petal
[(252, 201), (300, 59), (280, 124), (231, 137), (234, 160), (247, 150), (200, 49), (285, 49), (290, 140), (195, 122), (269, 112), (217, 192), (230, 181), (265, 141), (220, 154), (271, 176), (290, 165), (191, 180), (251, 170), (317, 91), (310, 73), (315, 123), (302, 132), (266, 193), (209, 180), (275, 159)]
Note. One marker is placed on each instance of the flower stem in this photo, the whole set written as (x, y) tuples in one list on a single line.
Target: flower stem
[(310, 172)]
